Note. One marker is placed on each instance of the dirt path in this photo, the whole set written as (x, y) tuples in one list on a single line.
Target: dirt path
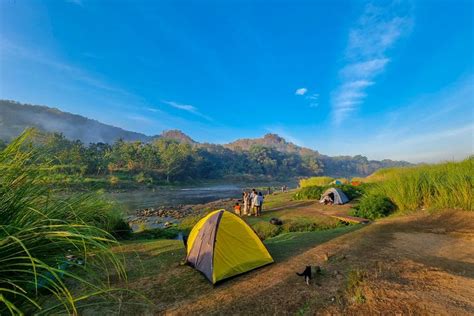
[(420, 264)]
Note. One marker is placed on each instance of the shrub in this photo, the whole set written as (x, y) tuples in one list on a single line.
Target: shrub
[(303, 224), (315, 192), (373, 206), (351, 191), (310, 193), (157, 233), (266, 230), (298, 224), (121, 229), (114, 180), (143, 178), (315, 181)]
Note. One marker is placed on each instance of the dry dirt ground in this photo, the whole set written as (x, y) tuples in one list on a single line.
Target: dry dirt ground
[(420, 264)]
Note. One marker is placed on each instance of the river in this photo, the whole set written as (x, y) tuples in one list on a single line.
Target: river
[(168, 195)]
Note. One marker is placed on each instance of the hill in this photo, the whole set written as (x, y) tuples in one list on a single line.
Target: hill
[(16, 117), (338, 166), (272, 141), (268, 155)]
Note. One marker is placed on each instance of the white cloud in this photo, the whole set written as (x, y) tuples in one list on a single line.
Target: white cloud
[(301, 91), (188, 108), (376, 31)]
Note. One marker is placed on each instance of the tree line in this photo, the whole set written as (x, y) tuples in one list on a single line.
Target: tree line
[(167, 160)]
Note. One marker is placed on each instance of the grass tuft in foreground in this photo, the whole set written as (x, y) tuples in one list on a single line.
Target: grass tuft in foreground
[(38, 230)]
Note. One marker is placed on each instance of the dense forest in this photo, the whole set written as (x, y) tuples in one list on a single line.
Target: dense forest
[(175, 158)]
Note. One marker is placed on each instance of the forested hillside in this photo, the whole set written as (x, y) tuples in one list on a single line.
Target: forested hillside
[(15, 117), (80, 145)]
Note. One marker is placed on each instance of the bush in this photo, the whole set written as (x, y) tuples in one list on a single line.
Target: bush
[(114, 180), (188, 223), (373, 206), (121, 229), (315, 192), (351, 191), (315, 181), (157, 233), (303, 224), (266, 230), (310, 193), (143, 178)]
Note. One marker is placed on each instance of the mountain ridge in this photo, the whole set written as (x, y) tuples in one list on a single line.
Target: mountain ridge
[(15, 117)]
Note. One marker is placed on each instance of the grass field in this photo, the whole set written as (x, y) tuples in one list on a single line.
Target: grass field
[(154, 270)]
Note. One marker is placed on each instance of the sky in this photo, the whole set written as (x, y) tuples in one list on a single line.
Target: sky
[(385, 79)]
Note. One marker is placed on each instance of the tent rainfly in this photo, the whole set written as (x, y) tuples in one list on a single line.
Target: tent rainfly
[(336, 194), (222, 245)]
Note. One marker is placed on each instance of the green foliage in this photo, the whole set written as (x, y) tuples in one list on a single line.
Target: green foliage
[(121, 229), (310, 193), (188, 222), (114, 180), (352, 192), (143, 178), (315, 192), (169, 160), (373, 206), (266, 230), (303, 224), (37, 231), (157, 233), (315, 181), (446, 185)]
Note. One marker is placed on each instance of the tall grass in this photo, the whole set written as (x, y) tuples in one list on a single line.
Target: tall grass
[(440, 186), (38, 230), (319, 181)]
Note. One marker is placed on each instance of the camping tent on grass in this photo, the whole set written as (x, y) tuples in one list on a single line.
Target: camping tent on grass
[(336, 195), (222, 245)]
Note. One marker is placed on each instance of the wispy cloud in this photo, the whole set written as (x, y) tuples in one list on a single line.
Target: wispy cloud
[(376, 31), (301, 91), (76, 2), (154, 110), (313, 100), (188, 108), (72, 72)]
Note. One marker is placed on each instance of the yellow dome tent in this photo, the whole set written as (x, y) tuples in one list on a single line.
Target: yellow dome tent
[(222, 245)]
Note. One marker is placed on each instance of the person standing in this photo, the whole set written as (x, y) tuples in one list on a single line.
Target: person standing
[(260, 203), (252, 196), (245, 200), (255, 204)]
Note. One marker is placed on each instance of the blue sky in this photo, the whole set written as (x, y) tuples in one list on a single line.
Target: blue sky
[(388, 79)]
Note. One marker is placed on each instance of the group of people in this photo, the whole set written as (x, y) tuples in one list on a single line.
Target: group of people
[(252, 204)]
